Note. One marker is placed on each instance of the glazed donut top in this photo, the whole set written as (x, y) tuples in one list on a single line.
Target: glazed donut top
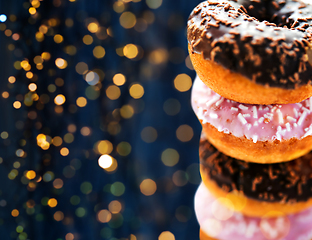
[(267, 41), (255, 122), (279, 182)]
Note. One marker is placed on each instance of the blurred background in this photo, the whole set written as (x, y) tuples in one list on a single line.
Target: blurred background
[(97, 136)]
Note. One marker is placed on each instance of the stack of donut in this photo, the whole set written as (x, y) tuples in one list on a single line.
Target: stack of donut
[(252, 95)]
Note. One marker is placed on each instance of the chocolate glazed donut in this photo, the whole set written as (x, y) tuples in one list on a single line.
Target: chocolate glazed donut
[(288, 182), (267, 42)]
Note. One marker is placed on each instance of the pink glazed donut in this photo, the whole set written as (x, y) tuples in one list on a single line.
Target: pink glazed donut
[(219, 222), (251, 132)]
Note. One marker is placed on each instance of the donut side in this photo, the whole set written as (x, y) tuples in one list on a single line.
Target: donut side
[(250, 61), (237, 87), (220, 222), (259, 152)]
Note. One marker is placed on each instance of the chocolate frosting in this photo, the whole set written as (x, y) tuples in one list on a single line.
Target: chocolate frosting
[(280, 182), (266, 41)]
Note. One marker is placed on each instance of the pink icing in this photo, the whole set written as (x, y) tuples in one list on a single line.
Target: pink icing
[(235, 226), (256, 122)]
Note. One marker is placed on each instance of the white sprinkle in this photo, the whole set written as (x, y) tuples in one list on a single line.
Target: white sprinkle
[(288, 127), (266, 109), (299, 104), (248, 126), (256, 124), (241, 118), (295, 125), (302, 117), (280, 116), (246, 115), (212, 101), (310, 101), (278, 136), (261, 120), (295, 112), (308, 131), (305, 109), (225, 130), (279, 128), (290, 119), (213, 115), (220, 101), (260, 107), (243, 107), (255, 112), (234, 109), (254, 138)]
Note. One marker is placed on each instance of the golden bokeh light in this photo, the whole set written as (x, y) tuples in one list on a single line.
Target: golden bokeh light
[(31, 174), (57, 141), (113, 92), (17, 104), (81, 102), (32, 87), (166, 235), (183, 82), (58, 216), (59, 99), (81, 68), (170, 157), (58, 183), (136, 91), (15, 213), (64, 151), (127, 20), (85, 131), (158, 56), (104, 216), (119, 79), (184, 133), (130, 51), (119, 6), (87, 39), (148, 187), (126, 111), (61, 63), (52, 202), (11, 79), (99, 52), (103, 147), (58, 38), (93, 27), (105, 161), (114, 207)]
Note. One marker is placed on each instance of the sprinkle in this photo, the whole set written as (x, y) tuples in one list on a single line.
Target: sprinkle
[(246, 115), (243, 107), (280, 116), (213, 115), (219, 102), (309, 132), (212, 101), (255, 112), (302, 117), (241, 118), (261, 120), (254, 138), (310, 103), (295, 112), (288, 127), (290, 119), (234, 109)]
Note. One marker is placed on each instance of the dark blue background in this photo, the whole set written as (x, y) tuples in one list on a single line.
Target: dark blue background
[(146, 217)]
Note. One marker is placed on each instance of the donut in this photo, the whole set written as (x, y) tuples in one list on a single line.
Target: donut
[(255, 52), (219, 222), (257, 189), (253, 132)]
